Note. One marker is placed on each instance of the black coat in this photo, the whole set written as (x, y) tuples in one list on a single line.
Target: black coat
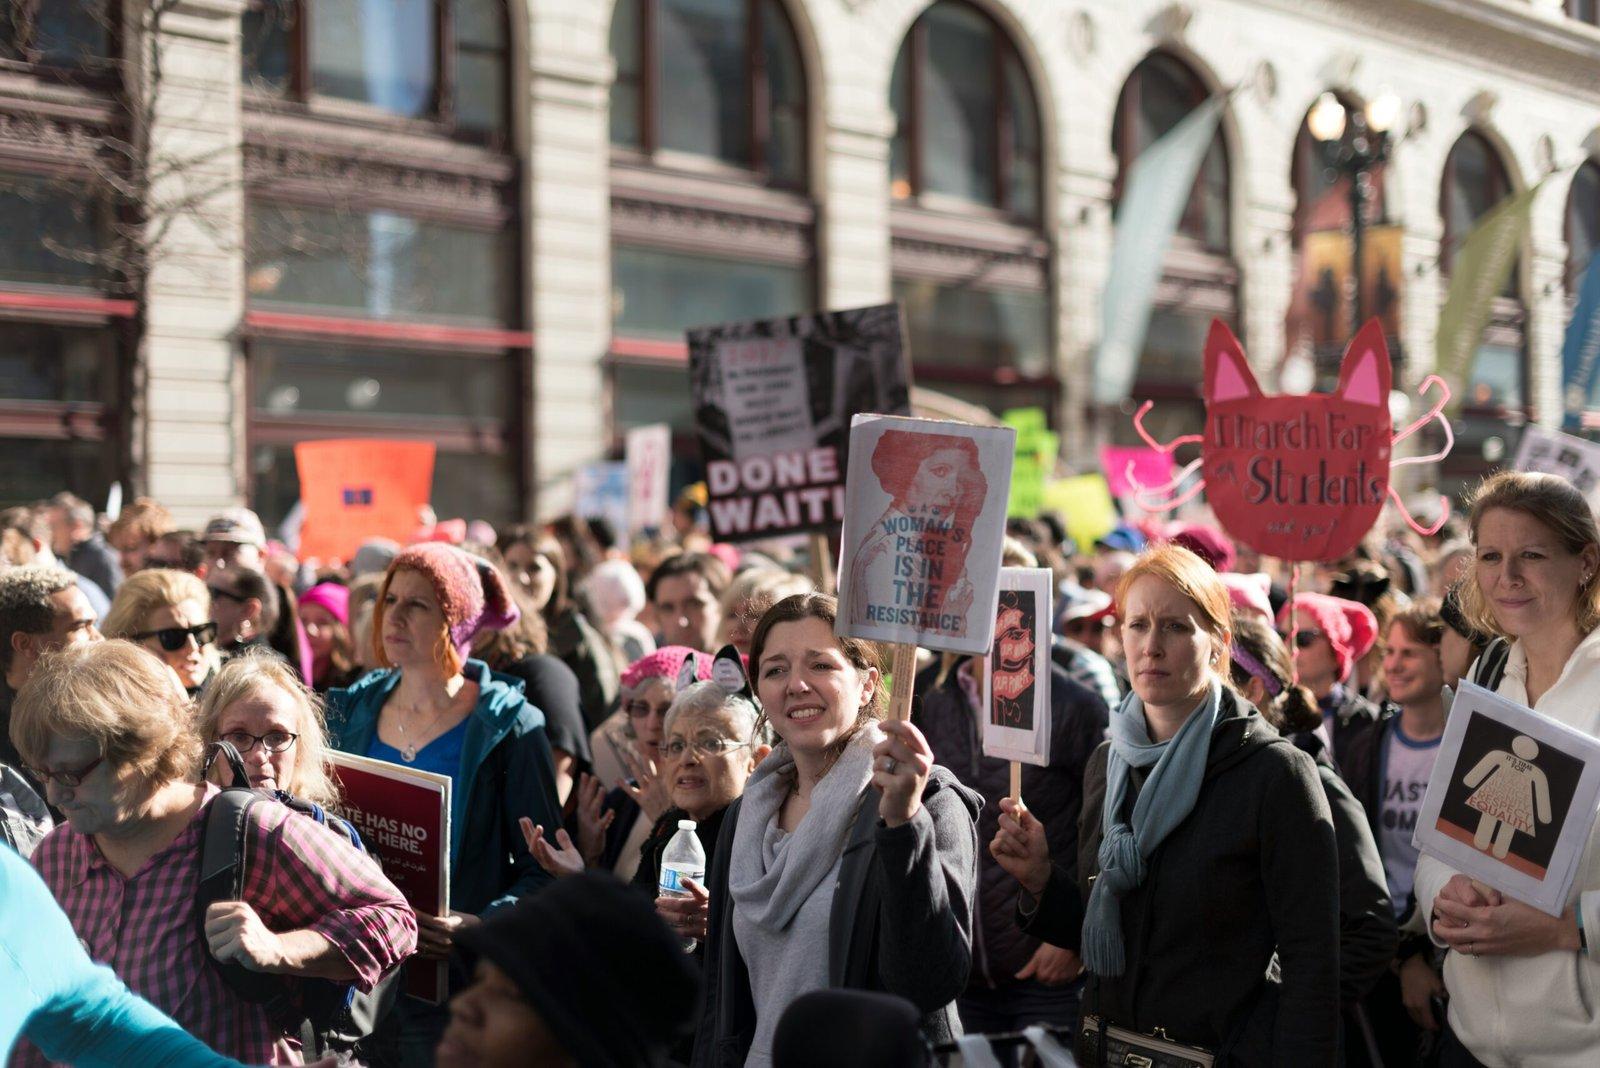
[(1252, 873), (901, 920), (1054, 794), (1353, 715)]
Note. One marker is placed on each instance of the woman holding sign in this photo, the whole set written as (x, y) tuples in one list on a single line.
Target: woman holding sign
[(1523, 984), (1206, 849), (436, 710), (850, 861)]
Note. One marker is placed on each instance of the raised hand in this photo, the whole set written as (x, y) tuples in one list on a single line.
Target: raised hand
[(561, 859)]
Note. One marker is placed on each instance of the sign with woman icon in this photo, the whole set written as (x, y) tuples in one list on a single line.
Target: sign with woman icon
[(925, 512), (1512, 798)]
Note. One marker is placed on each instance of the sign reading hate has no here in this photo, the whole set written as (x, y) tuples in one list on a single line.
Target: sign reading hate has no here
[(925, 515), (773, 404)]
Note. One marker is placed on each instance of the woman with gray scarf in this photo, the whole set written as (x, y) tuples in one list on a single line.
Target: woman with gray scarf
[(851, 859), (1207, 855)]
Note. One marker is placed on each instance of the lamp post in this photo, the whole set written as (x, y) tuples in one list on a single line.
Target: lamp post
[(1354, 156)]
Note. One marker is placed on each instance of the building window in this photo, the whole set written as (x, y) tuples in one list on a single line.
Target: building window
[(1159, 93), (719, 80), (444, 61), (966, 123), (63, 34), (1585, 11), (1475, 182), (661, 294), (1583, 224)]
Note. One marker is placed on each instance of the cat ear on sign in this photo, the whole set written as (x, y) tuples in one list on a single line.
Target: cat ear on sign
[(1365, 374), (1228, 374)]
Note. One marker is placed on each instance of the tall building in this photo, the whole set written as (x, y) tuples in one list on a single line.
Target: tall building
[(231, 225)]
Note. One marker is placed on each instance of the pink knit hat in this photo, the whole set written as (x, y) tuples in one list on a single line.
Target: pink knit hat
[(1250, 593), (332, 596), (472, 594), (666, 662), (1350, 626)]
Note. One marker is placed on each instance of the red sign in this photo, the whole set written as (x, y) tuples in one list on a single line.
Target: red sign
[(403, 816), (354, 490), (1149, 467), (1297, 477)]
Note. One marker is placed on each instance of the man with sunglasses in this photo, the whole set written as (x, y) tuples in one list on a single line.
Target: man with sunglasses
[(41, 609)]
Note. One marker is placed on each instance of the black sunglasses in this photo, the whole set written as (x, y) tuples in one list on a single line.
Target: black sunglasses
[(1305, 639), (174, 638), (225, 595)]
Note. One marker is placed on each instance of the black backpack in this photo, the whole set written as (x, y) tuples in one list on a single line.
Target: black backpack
[(1491, 666), (327, 1016)]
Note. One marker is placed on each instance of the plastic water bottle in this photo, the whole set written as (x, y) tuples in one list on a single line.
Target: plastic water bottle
[(685, 858)]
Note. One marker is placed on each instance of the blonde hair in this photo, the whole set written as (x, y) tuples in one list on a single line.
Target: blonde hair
[(1195, 579), (142, 593), (120, 697), (251, 672), (1556, 505)]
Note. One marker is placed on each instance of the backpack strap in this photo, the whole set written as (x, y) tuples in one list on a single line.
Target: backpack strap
[(1491, 666)]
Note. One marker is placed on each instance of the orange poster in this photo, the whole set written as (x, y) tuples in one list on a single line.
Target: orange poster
[(359, 489)]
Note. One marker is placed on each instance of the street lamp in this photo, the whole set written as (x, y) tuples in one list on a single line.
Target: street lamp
[(1355, 156)]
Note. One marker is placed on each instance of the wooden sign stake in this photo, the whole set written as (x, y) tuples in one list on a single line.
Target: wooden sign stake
[(903, 671), (1016, 781), (822, 564)]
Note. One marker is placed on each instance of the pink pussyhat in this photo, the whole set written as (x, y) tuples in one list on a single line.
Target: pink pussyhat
[(472, 595)]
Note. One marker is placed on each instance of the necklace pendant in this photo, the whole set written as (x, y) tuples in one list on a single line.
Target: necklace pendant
[(409, 754)]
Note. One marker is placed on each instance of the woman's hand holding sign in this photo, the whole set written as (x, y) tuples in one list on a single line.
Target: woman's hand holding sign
[(900, 766), (436, 935), (1473, 919), (1020, 847)]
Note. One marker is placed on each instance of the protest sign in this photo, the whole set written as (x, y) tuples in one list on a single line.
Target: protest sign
[(1297, 477), (925, 513), (1148, 466), (1085, 505), (1554, 453), (773, 403), (403, 817), (358, 489), (1016, 677), (647, 451), (1512, 798), (1034, 463), (601, 492)]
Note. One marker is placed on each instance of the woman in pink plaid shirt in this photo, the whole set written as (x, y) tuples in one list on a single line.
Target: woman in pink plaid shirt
[(112, 736)]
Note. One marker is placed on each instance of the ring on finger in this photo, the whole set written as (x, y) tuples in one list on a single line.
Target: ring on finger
[(888, 764)]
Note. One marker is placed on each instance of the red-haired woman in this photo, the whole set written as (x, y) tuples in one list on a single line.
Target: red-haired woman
[(1206, 850), (435, 710)]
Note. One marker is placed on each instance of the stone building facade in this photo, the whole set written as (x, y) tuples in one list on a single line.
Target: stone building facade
[(486, 222)]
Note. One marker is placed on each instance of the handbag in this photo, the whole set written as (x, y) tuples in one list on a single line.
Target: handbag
[(1123, 1047)]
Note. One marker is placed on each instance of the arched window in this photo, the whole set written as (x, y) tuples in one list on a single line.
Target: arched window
[(383, 278), (60, 34), (443, 61), (1156, 97), (1585, 11), (1583, 224), (966, 124), (717, 79), (973, 284), (711, 220), (1199, 278)]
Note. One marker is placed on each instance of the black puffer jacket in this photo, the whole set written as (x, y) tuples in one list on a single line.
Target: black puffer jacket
[(1054, 794)]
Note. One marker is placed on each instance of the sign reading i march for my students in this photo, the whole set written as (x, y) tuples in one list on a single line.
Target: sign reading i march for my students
[(773, 403)]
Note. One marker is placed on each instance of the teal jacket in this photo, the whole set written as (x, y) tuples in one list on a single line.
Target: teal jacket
[(74, 1010), (506, 773)]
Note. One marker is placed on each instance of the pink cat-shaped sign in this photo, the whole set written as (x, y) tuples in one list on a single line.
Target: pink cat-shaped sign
[(1296, 477)]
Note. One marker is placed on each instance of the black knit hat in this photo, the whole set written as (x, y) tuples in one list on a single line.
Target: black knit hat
[(597, 964)]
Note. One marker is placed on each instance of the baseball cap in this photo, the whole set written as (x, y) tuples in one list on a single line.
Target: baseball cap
[(236, 524)]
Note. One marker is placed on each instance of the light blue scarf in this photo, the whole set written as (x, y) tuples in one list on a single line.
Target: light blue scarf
[(1165, 802)]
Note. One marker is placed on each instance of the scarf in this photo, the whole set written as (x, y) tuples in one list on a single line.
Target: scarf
[(1165, 802), (772, 896)]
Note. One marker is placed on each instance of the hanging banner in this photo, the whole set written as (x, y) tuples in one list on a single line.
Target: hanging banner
[(648, 456), (358, 489), (1482, 264), (1153, 198), (925, 516), (403, 817), (773, 403), (1553, 453), (1580, 353), (1297, 477), (1149, 467), (1016, 675)]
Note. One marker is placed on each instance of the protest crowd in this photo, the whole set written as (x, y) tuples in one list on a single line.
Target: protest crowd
[(1211, 861)]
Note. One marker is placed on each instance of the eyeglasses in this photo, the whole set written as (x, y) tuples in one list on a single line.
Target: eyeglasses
[(272, 741), (641, 709), (68, 779), (1304, 639), (174, 638), (217, 591), (706, 747)]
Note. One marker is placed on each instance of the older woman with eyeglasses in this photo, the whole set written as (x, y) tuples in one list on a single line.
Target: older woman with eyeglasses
[(169, 613)]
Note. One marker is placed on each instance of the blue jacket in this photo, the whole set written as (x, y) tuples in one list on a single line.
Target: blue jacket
[(71, 1008), (506, 773)]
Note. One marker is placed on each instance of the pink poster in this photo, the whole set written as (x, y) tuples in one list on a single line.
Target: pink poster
[(1150, 468)]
